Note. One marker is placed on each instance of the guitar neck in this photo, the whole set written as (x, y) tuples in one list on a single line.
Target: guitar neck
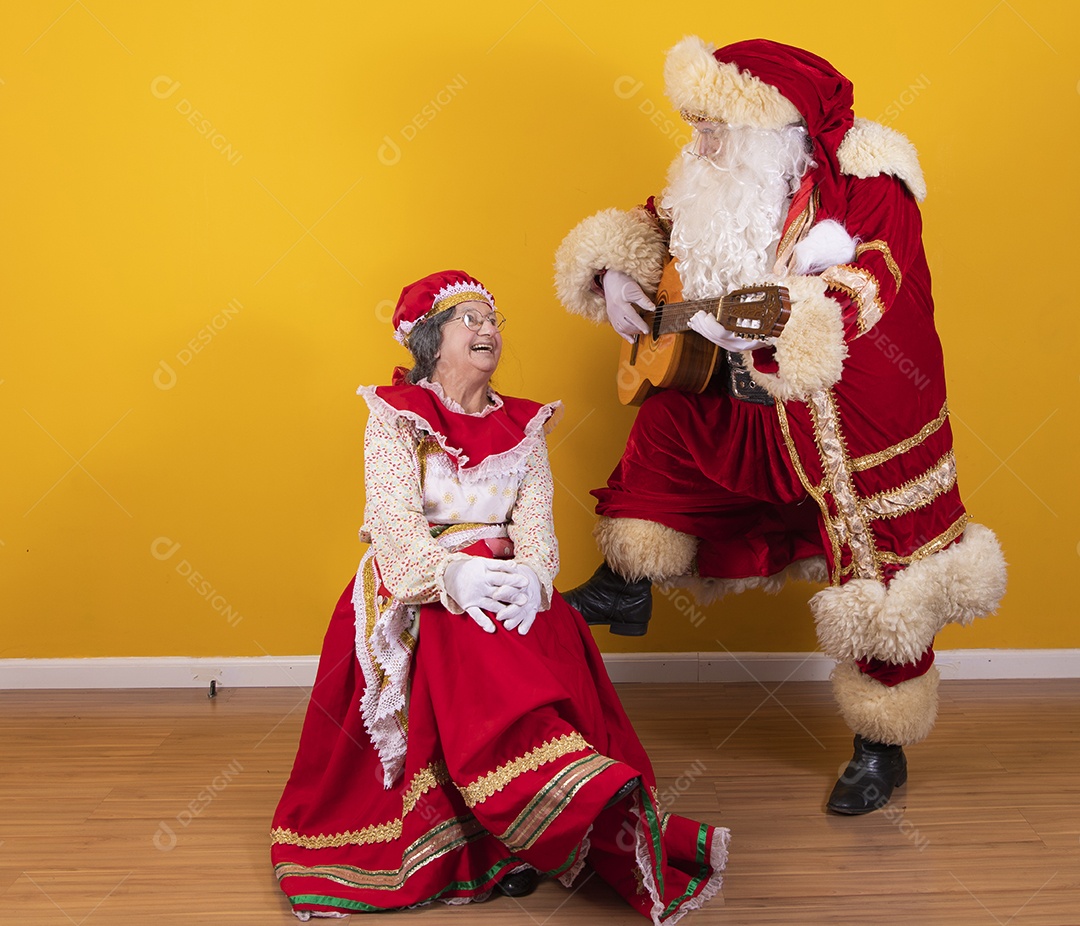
[(673, 317)]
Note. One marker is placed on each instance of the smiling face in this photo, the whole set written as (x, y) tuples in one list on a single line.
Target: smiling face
[(465, 353)]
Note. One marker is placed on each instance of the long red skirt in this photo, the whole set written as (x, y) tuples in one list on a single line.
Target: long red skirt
[(515, 745)]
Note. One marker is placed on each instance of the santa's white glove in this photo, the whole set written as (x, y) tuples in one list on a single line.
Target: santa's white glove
[(708, 327), (619, 291), (521, 612), (480, 584)]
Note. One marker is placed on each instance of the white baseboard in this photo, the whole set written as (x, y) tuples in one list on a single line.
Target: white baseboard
[(283, 671)]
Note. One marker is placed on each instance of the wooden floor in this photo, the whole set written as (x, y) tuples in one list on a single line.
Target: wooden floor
[(137, 807)]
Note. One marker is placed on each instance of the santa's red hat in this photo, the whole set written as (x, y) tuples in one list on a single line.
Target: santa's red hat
[(433, 294), (765, 85)]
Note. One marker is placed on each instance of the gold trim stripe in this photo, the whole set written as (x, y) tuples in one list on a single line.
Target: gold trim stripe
[(534, 820), (817, 493), (915, 493), (852, 527), (486, 785), (942, 540), (444, 838), (862, 286), (797, 229), (878, 245), (462, 527), (472, 295), (423, 781), (875, 459)]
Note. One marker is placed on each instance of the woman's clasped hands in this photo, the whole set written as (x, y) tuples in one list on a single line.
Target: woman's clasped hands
[(509, 590)]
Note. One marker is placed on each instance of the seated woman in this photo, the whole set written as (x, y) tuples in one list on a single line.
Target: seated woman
[(463, 736)]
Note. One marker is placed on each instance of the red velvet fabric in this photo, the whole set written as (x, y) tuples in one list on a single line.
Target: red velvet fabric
[(417, 299), (716, 468), (478, 702), (890, 674), (703, 464), (893, 383)]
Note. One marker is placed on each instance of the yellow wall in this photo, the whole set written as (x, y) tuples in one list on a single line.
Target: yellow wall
[(209, 207)]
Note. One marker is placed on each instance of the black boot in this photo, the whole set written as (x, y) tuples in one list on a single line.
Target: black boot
[(608, 598), (624, 792), (518, 884), (869, 779)]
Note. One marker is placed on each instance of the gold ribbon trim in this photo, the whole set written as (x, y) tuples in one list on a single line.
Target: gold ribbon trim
[(876, 459), (480, 790), (915, 493)]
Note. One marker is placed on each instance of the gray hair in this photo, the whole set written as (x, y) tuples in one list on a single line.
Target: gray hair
[(424, 342)]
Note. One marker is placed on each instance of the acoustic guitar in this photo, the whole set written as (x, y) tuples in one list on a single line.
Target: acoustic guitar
[(671, 356)]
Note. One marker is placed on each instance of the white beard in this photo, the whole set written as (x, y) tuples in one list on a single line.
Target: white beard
[(727, 211)]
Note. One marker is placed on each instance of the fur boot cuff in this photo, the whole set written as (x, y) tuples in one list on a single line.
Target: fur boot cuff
[(896, 623), (638, 549), (901, 715)]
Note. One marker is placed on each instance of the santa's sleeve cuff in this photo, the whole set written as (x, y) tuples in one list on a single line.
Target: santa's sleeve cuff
[(610, 240), (810, 352)]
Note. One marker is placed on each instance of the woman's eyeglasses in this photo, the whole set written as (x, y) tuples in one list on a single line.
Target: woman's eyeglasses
[(474, 321)]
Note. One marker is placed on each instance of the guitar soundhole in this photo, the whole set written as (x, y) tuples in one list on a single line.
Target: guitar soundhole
[(658, 319)]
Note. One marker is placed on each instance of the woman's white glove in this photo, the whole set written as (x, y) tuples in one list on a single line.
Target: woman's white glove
[(709, 328), (480, 584), (619, 291), (521, 612)]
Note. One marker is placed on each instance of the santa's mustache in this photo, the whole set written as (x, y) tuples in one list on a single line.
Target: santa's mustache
[(727, 210)]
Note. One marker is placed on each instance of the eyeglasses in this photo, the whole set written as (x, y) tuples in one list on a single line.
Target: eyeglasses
[(474, 321)]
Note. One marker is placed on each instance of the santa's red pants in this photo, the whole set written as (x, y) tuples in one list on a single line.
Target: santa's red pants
[(718, 468)]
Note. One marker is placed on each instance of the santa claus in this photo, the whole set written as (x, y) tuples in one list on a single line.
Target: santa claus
[(823, 452)]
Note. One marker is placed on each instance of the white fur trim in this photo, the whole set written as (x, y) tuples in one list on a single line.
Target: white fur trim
[(696, 82), (901, 715), (810, 351), (897, 623), (870, 149), (636, 548), (706, 590), (825, 245), (609, 240)]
